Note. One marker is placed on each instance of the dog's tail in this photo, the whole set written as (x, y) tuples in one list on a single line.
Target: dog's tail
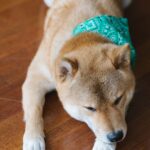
[(126, 3), (48, 2)]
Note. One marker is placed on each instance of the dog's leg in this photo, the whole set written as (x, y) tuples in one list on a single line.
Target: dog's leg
[(34, 90), (99, 145), (36, 85)]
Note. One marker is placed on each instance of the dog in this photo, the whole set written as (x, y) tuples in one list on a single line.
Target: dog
[(92, 75)]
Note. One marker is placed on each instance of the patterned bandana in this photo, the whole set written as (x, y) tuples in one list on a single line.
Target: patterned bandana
[(113, 28)]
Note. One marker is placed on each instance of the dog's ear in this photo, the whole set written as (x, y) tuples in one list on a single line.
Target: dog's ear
[(120, 56), (67, 68)]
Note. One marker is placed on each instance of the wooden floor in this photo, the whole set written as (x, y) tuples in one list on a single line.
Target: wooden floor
[(21, 23)]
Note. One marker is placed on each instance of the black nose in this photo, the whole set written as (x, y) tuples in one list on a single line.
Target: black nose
[(115, 136)]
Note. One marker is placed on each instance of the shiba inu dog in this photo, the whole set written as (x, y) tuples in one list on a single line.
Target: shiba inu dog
[(92, 75)]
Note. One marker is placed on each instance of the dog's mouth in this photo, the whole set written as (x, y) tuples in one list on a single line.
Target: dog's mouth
[(106, 141), (104, 138)]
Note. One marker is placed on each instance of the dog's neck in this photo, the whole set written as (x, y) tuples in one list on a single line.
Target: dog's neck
[(115, 29)]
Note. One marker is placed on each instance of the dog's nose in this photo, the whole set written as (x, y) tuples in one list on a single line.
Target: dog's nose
[(115, 136)]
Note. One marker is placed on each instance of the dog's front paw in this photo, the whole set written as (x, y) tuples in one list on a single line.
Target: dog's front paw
[(36, 143), (99, 145)]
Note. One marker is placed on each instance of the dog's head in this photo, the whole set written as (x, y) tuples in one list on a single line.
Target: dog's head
[(95, 84)]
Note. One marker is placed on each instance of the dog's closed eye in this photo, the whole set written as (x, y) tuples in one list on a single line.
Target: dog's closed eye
[(91, 109), (117, 101)]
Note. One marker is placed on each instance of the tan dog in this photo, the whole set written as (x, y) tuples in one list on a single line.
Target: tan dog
[(92, 76)]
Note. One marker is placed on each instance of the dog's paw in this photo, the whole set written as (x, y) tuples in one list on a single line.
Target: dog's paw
[(99, 145), (36, 143), (48, 2)]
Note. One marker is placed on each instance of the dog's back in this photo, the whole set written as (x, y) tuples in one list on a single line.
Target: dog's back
[(64, 15)]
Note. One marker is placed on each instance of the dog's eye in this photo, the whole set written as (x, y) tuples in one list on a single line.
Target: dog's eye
[(91, 109), (117, 101)]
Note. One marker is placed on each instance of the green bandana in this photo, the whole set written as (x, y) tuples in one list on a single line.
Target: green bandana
[(113, 28)]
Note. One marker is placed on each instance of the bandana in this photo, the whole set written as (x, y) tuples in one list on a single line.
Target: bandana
[(115, 29)]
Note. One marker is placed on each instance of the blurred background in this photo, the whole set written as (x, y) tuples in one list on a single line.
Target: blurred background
[(21, 28)]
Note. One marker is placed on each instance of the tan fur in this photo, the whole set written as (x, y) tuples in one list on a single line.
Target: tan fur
[(86, 70)]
